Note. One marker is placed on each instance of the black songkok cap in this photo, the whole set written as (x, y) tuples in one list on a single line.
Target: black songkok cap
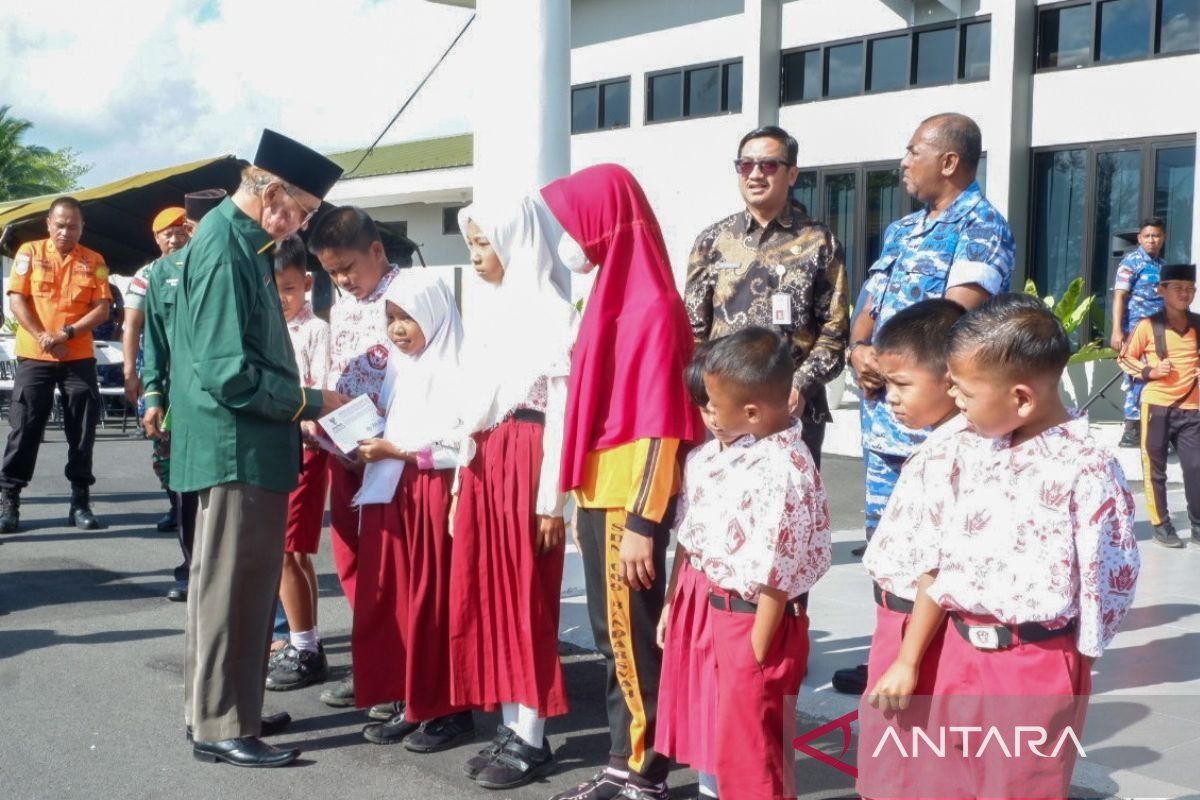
[(300, 166), (1178, 272), (200, 203)]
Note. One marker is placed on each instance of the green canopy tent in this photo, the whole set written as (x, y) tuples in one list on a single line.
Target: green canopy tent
[(118, 215)]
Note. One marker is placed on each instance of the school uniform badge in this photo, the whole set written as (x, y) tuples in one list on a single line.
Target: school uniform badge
[(22, 265)]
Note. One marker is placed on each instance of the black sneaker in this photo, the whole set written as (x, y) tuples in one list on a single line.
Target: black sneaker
[(476, 763), (340, 695), (442, 733), (391, 732), (516, 764), (851, 681), (1166, 536), (601, 786), (633, 791), (859, 551), (297, 669), (385, 711), (279, 655)]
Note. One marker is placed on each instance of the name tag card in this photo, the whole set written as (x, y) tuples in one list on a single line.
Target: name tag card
[(781, 308)]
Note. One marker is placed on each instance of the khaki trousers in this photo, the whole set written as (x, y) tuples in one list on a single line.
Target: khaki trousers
[(237, 558)]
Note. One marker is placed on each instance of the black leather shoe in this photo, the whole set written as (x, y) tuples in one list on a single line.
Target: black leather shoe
[(297, 669), (247, 751), (516, 764), (851, 681), (178, 592), (272, 724), (481, 760), (385, 711), (391, 732), (341, 694), (80, 514), (442, 733)]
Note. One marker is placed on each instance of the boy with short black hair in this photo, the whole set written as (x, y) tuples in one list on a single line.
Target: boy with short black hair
[(1135, 297), (1038, 561), (1162, 351), (302, 662), (754, 520)]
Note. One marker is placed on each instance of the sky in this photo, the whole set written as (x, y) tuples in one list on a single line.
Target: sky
[(137, 85)]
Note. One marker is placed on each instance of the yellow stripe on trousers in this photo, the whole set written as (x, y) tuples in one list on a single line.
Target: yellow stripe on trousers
[(620, 635), (1148, 481)]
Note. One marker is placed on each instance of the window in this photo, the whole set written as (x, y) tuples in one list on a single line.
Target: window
[(1084, 196), (844, 70), (1124, 29), (916, 57), (1080, 34), (1065, 37), (449, 221), (1178, 26), (937, 53), (889, 64), (801, 76), (600, 106), (858, 203), (701, 91), (976, 58)]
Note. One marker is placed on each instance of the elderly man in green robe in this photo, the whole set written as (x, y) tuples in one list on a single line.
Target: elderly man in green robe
[(235, 405)]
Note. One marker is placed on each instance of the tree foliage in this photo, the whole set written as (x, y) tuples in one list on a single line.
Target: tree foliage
[(28, 170)]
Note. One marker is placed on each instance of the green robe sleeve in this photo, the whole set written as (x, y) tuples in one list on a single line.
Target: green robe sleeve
[(156, 348)]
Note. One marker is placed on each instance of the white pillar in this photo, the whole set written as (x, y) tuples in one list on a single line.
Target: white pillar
[(522, 96), (760, 63)]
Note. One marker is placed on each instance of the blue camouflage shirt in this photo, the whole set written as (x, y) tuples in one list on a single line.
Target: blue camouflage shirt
[(922, 258), (1138, 274)]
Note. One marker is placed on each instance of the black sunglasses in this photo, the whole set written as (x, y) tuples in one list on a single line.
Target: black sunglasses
[(745, 166)]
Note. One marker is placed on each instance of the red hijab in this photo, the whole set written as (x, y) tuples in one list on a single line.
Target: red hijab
[(634, 341)]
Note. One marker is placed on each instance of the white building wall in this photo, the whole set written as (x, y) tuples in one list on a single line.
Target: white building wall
[(425, 228)]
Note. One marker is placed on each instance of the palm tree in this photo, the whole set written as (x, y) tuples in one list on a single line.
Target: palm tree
[(29, 170)]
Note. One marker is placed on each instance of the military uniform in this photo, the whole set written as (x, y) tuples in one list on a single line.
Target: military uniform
[(969, 243), (1138, 275), (789, 274)]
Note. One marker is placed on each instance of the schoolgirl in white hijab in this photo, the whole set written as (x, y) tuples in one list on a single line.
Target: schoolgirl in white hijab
[(401, 634), (506, 575)]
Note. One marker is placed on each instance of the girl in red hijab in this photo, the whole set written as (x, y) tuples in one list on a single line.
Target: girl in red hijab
[(628, 416)]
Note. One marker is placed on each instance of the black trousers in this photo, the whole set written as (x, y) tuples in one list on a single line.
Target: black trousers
[(188, 505), (813, 434), (32, 402), (624, 622), (1161, 427)]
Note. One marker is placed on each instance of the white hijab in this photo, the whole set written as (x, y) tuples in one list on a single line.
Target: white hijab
[(418, 390), (524, 328)]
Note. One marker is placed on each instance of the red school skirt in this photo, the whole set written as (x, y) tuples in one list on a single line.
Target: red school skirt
[(687, 692), (400, 639), (504, 620)]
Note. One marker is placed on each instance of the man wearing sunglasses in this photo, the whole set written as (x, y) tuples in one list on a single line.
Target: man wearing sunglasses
[(770, 264)]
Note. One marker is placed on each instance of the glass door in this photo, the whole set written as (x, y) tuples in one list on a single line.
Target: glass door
[(840, 193), (1059, 206), (1118, 211)]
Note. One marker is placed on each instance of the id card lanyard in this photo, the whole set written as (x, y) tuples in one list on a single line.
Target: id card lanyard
[(781, 301)]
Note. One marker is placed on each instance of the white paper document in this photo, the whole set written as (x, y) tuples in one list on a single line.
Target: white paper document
[(353, 422)]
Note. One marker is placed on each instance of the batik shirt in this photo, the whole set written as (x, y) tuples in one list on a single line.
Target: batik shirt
[(970, 243), (755, 515), (908, 538), (358, 344), (310, 342), (1041, 532), (736, 268), (1138, 274)]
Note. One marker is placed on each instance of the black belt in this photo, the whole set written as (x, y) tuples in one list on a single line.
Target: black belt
[(999, 637), (529, 415), (891, 601), (739, 606)]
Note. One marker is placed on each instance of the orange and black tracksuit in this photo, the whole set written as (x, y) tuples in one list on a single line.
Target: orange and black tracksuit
[(628, 490), (1170, 408)]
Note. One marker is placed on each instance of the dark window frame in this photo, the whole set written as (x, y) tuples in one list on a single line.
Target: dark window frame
[(454, 231), (599, 87), (822, 49), (1094, 53), (722, 71), (1148, 147)]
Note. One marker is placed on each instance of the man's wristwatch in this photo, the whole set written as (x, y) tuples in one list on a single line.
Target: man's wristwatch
[(69, 330), (850, 349)]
